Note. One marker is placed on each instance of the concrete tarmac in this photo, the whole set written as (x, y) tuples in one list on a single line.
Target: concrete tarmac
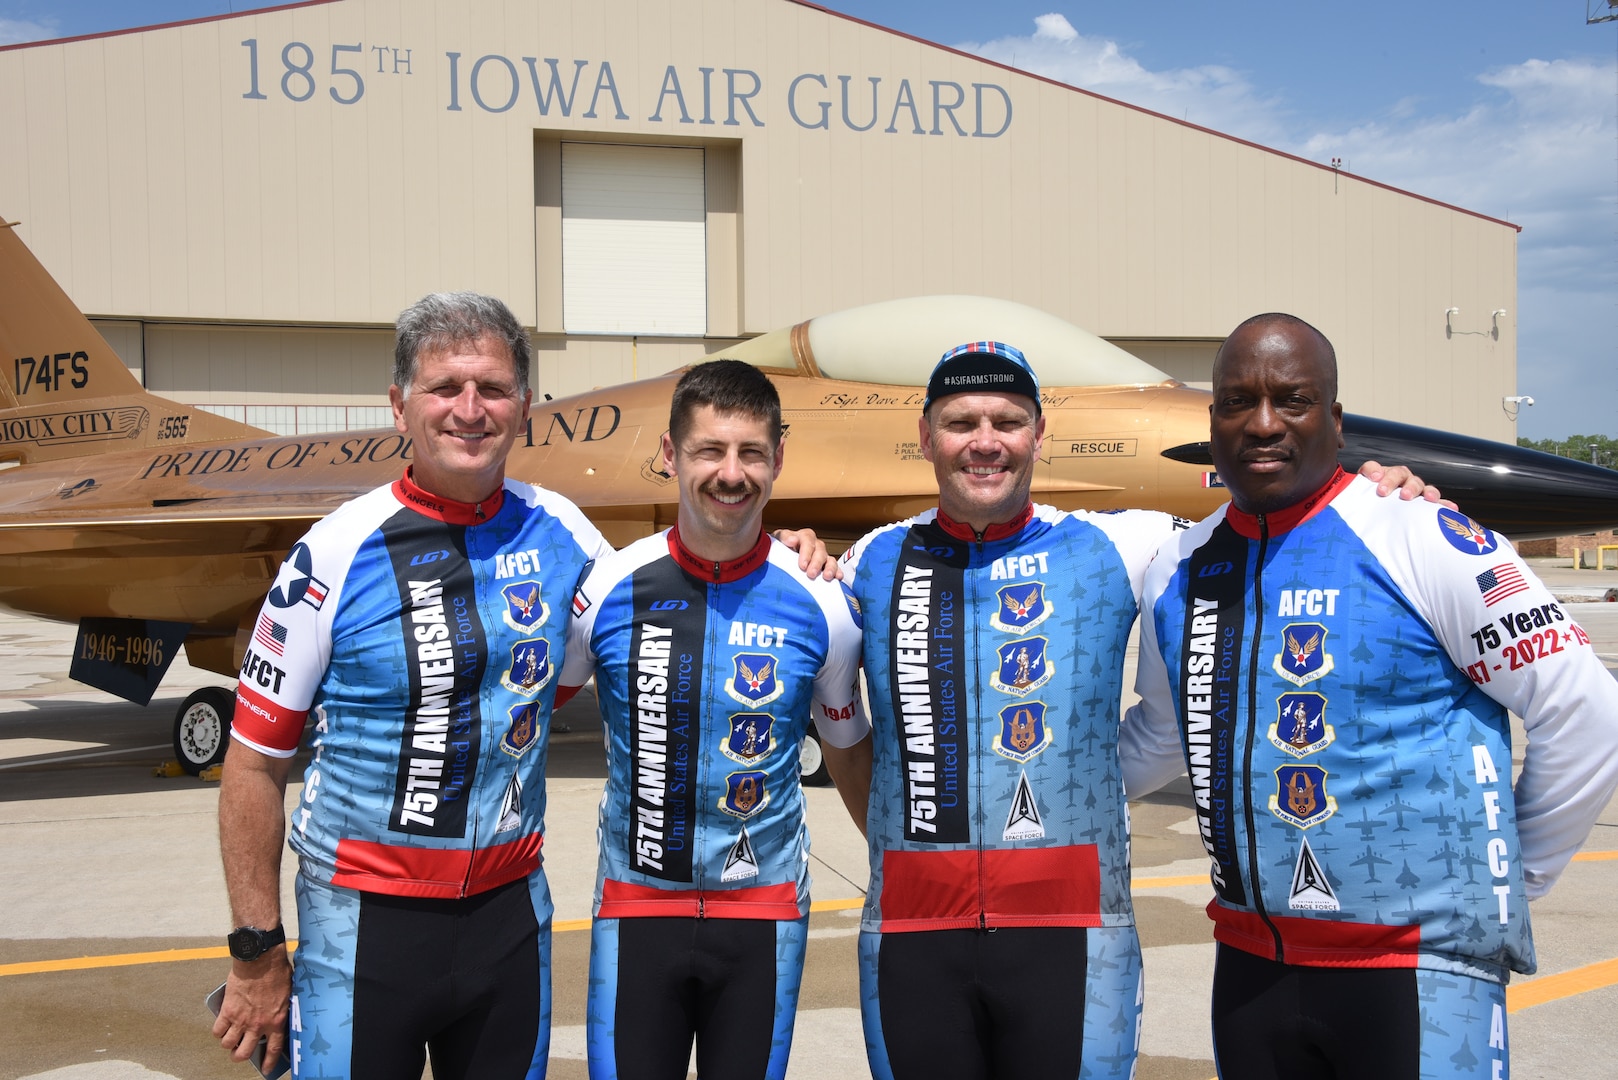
[(113, 912)]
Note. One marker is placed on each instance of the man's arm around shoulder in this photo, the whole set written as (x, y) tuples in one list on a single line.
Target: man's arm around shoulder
[(850, 769)]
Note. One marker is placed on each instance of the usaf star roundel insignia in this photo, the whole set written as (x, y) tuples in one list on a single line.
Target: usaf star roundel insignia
[(296, 580), (1022, 607), (1464, 534), (525, 605), (1303, 657), (753, 680)]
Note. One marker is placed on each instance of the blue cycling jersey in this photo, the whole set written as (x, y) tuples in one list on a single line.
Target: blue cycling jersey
[(994, 666), (706, 672), (423, 635), (1336, 677)]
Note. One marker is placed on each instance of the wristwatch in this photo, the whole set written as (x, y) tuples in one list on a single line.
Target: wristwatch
[(248, 943)]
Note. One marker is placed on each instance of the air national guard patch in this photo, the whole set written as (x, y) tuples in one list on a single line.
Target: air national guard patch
[(1303, 657), (740, 862), (1311, 889), (744, 794), (1023, 822), (525, 606), (754, 681), (1023, 733), (1300, 797), (1300, 726), (531, 667), (750, 737), (1464, 534), (524, 727), (1022, 667), (1022, 607)]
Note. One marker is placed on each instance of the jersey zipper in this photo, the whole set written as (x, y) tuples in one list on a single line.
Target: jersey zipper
[(1252, 728), (977, 711)]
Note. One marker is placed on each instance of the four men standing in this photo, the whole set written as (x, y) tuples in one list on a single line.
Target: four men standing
[(998, 936)]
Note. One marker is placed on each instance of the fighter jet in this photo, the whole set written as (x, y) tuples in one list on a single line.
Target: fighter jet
[(155, 525)]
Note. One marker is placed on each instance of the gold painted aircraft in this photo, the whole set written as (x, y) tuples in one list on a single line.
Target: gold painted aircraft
[(151, 524)]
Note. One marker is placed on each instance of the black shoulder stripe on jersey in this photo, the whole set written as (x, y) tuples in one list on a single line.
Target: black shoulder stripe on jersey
[(666, 673), (445, 648), (927, 652), (1208, 684)]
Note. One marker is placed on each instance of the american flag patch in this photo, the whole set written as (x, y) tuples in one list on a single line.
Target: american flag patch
[(1499, 582), (271, 634)]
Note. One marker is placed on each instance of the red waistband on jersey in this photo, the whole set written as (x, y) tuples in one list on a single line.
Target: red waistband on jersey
[(442, 873), (1317, 942), (627, 900), (958, 889)]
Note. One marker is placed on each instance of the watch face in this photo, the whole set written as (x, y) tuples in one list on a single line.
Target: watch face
[(249, 942)]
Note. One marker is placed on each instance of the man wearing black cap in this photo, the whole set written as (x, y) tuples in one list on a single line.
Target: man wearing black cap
[(998, 938)]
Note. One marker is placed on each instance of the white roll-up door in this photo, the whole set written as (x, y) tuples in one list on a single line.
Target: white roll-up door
[(634, 240)]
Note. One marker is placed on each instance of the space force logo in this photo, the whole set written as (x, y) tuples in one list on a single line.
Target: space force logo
[(744, 794), (1022, 667), (296, 581), (525, 606), (1023, 732), (1300, 797), (1464, 534), (1303, 657), (524, 727), (754, 681), (1022, 607), (531, 667), (1300, 726), (750, 737)]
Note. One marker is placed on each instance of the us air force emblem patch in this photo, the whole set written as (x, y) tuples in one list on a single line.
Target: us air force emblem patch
[(754, 681), (1022, 607), (744, 794), (524, 727), (531, 667), (525, 606), (1311, 889), (1023, 732), (1300, 727), (1023, 822), (750, 738), (1303, 657), (1300, 797), (1464, 534), (1022, 667)]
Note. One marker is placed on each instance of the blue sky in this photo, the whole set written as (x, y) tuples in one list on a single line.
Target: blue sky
[(1506, 107)]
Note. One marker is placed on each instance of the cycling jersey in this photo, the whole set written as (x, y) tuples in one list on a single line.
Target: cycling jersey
[(423, 635), (994, 666), (1336, 676), (705, 674)]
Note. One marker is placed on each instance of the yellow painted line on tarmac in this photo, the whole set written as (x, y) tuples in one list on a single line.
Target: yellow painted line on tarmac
[(1595, 856), (84, 963), (1548, 988), (1168, 882)]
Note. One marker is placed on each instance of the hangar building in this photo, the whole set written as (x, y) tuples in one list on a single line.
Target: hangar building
[(243, 204)]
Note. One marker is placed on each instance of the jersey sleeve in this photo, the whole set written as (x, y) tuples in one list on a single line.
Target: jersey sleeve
[(839, 711), (1149, 746), (578, 656), (1504, 629), (1136, 534)]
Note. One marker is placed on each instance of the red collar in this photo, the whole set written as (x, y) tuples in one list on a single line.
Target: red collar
[(1281, 521), (997, 531), (424, 502), (718, 572)]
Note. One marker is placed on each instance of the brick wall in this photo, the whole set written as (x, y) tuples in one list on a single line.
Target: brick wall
[(1564, 546)]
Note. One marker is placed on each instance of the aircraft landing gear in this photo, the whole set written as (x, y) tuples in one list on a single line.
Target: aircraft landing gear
[(812, 761), (202, 728)]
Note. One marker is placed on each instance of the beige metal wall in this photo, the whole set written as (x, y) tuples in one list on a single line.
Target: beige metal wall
[(158, 180)]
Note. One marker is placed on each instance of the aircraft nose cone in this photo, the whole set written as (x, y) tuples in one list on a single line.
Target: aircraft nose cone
[(1522, 493)]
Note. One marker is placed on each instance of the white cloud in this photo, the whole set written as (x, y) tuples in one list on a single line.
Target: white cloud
[(13, 31), (1532, 143)]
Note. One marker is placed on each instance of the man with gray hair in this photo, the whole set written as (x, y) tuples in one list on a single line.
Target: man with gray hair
[(420, 626)]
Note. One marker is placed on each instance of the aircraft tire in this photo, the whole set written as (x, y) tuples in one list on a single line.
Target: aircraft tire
[(202, 728), (812, 761)]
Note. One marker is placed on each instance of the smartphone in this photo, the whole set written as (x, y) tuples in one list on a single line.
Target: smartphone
[(281, 1067)]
